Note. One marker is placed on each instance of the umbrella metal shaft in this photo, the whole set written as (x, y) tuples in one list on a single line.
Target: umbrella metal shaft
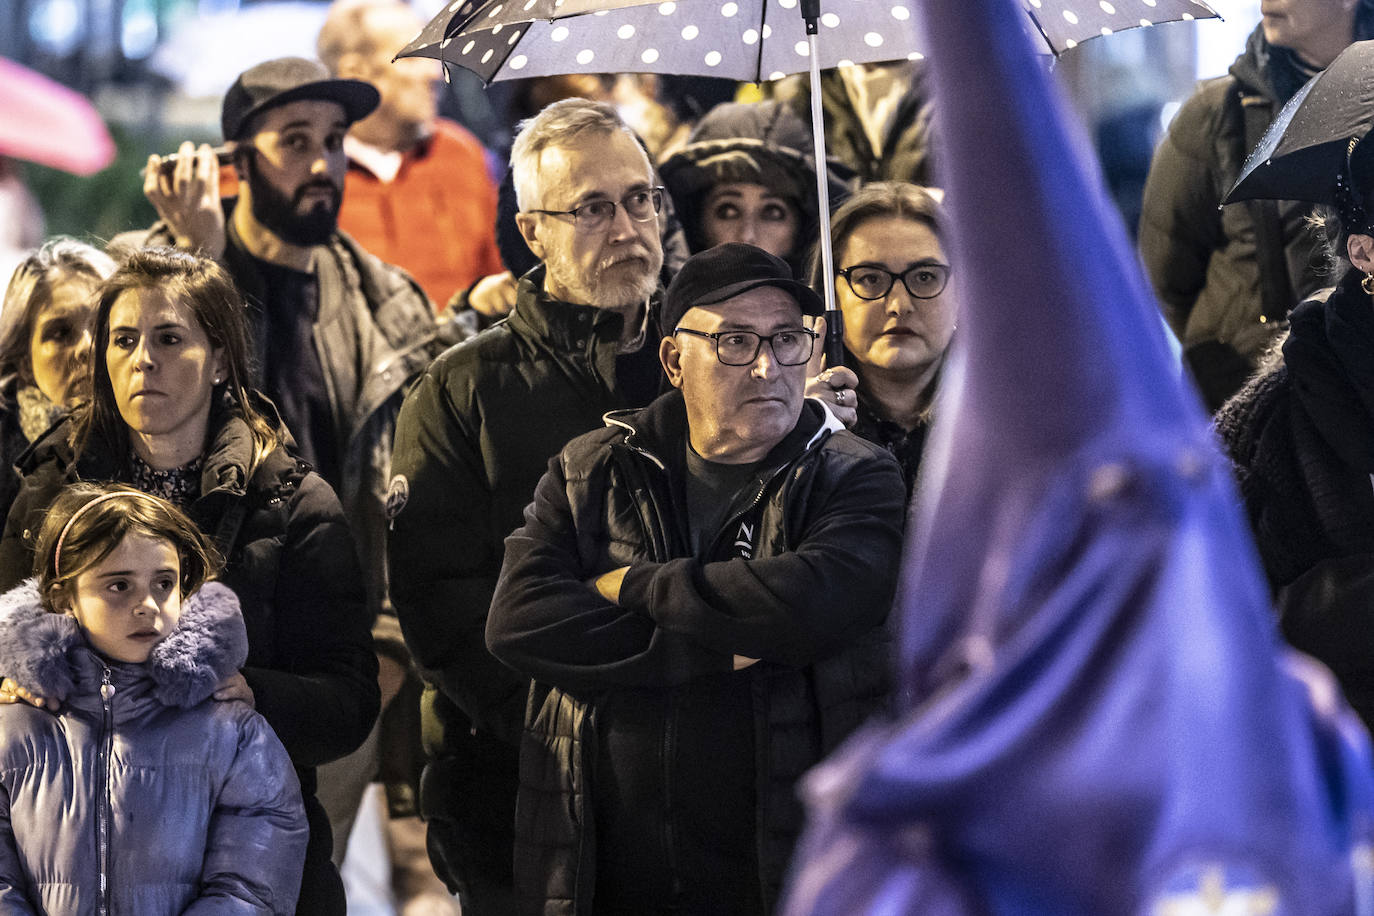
[(834, 320)]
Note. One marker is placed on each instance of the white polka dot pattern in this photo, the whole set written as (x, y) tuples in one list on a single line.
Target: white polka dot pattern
[(739, 39)]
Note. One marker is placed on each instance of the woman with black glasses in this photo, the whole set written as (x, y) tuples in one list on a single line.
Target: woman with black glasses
[(891, 284)]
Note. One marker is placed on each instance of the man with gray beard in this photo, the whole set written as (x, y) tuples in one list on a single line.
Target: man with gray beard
[(476, 434)]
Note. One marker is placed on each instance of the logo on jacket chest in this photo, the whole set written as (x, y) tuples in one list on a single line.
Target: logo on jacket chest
[(744, 540)]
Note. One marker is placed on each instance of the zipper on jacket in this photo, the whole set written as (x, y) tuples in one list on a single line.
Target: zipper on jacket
[(102, 816), (735, 517)]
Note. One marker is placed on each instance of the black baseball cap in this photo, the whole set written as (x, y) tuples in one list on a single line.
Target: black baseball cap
[(725, 271), (290, 79)]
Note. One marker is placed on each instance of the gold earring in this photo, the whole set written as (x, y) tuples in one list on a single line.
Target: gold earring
[(1367, 284)]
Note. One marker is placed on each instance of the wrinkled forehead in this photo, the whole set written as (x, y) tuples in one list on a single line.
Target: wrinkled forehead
[(589, 165)]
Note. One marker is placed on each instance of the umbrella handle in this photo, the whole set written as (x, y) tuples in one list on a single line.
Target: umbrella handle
[(834, 338), (834, 319)]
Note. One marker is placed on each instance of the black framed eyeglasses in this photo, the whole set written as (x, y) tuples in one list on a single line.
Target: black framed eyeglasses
[(740, 348), (642, 205), (923, 281)]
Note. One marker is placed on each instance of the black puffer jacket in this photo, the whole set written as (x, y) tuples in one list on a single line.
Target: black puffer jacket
[(1301, 436), (291, 561), (473, 438), (1202, 257), (800, 575)]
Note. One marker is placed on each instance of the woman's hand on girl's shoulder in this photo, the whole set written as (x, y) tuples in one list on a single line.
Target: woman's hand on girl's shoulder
[(11, 693), (235, 687)]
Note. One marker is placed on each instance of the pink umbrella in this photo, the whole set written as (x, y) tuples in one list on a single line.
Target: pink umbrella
[(45, 122)]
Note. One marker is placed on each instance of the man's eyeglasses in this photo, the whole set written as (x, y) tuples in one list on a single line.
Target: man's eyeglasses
[(923, 281), (740, 348), (642, 205)]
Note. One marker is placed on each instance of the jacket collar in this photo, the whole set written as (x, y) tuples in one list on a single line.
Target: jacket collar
[(659, 431), (561, 325), (228, 458), (47, 653)]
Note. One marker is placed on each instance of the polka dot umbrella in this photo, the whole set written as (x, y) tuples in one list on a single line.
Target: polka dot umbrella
[(749, 40)]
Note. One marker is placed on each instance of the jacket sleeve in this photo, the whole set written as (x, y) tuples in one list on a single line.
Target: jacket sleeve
[(14, 896), (1180, 218), (255, 850), (799, 606), (547, 622), (36, 493), (321, 694), (442, 570)]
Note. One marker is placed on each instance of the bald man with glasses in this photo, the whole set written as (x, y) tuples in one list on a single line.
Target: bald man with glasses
[(697, 595)]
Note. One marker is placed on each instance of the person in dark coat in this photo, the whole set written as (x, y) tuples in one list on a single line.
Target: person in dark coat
[(747, 174), (1226, 277), (698, 594), (171, 416), (1301, 437), (473, 438), (196, 808), (475, 434), (891, 285), (45, 345)]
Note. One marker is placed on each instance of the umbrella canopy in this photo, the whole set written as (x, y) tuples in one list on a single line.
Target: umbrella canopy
[(747, 40), (1305, 148), (45, 122), (1098, 716)]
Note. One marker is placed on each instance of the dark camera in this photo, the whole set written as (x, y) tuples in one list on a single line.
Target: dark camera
[(223, 154)]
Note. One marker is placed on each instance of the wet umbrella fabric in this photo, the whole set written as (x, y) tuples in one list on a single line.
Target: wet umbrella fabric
[(45, 122), (749, 40), (1096, 713), (1304, 149)]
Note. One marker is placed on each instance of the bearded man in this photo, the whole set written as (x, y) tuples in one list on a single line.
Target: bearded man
[(337, 333), (476, 434)]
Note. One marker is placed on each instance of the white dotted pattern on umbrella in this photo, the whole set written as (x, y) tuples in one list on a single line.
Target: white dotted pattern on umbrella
[(1065, 23), (737, 39)]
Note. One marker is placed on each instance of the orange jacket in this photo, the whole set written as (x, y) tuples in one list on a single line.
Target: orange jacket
[(436, 219)]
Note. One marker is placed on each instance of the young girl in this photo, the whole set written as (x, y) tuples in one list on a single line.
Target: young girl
[(141, 795)]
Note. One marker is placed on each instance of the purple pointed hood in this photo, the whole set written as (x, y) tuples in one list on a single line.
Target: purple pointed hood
[(1098, 717)]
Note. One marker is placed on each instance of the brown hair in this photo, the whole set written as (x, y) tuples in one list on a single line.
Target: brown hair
[(88, 520), (878, 200), (207, 290), (30, 290)]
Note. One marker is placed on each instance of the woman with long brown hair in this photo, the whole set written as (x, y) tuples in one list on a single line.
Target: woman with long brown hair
[(171, 415)]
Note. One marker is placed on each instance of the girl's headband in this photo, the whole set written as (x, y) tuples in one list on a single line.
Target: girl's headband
[(104, 497)]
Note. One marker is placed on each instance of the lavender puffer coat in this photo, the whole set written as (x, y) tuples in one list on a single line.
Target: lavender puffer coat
[(170, 801)]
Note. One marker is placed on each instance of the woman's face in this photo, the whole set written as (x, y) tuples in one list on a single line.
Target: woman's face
[(750, 213), (897, 333), (162, 365), (60, 341)]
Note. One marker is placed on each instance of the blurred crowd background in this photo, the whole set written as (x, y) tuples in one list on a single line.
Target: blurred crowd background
[(157, 69)]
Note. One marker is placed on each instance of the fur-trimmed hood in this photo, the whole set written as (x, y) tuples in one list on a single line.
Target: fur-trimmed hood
[(47, 654)]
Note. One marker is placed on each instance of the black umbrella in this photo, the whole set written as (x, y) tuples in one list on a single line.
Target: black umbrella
[(1307, 145)]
